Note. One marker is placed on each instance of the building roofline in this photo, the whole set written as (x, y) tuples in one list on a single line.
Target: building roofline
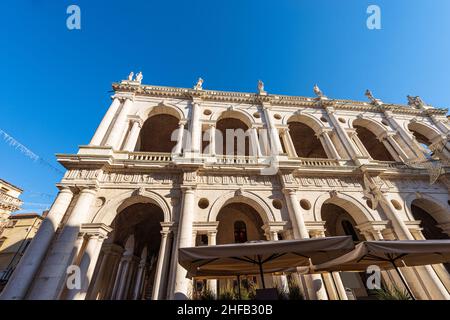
[(255, 98), (11, 185)]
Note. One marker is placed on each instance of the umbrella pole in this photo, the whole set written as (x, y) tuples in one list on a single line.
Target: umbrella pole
[(239, 286), (261, 272), (403, 280)]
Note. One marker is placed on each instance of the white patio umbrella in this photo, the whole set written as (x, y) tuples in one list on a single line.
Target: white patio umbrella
[(261, 256), (390, 255)]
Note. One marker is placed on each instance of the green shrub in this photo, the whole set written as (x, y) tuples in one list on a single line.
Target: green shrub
[(393, 293), (294, 291)]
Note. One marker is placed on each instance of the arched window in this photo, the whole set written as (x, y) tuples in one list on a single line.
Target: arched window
[(349, 230), (376, 149), (240, 232), (306, 144)]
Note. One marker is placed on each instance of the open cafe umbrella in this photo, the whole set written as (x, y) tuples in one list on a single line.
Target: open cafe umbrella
[(261, 256), (390, 255)]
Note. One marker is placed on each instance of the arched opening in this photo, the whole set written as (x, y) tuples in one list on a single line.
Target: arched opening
[(156, 134), (232, 137), (239, 223), (127, 264), (338, 222), (305, 141), (425, 211), (376, 149), (244, 218), (423, 135)]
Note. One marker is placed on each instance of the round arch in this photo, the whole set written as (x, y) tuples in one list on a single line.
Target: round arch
[(246, 197), (306, 119), (162, 108), (241, 115), (353, 206), (370, 124), (423, 129), (115, 205), (437, 209)]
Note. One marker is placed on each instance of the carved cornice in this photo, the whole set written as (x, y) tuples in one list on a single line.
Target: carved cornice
[(277, 100)]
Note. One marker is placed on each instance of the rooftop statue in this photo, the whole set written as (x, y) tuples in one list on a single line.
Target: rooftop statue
[(139, 77), (199, 84), (261, 87), (415, 102), (318, 92)]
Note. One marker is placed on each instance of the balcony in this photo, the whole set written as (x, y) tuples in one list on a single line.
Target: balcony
[(150, 156)]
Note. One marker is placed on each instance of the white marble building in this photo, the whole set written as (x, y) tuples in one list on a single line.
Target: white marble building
[(133, 196)]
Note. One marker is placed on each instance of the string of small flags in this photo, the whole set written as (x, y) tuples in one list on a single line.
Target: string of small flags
[(27, 152)]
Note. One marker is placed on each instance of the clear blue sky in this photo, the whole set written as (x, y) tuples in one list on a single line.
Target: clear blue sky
[(55, 83)]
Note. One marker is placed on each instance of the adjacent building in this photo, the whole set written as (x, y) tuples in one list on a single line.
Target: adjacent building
[(175, 167)]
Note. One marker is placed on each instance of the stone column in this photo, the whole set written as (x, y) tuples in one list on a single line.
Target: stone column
[(256, 148), (139, 279), (328, 144), (130, 145), (124, 276), (117, 131), (104, 280), (96, 233), (212, 284), (162, 262), (403, 133), (332, 281), (403, 156), (106, 122), (195, 128), (386, 142), (185, 240), (51, 278), (179, 146), (342, 133), (301, 232), (295, 214), (212, 139), (290, 148), (275, 144), (282, 280), (403, 233), (23, 275), (355, 139)]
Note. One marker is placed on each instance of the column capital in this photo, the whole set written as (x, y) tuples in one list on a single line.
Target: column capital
[(290, 191), (374, 228), (99, 230), (136, 119), (188, 188), (167, 227), (65, 189), (182, 122), (124, 97), (316, 229), (91, 189)]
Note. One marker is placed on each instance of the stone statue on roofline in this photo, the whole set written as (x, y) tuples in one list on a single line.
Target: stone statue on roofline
[(415, 102), (139, 77), (130, 76), (199, 84), (371, 98), (261, 88), (318, 92)]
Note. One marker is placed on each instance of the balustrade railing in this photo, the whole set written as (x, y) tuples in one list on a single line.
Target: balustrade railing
[(150, 156)]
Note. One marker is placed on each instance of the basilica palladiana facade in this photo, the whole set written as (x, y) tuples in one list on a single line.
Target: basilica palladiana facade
[(173, 167)]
